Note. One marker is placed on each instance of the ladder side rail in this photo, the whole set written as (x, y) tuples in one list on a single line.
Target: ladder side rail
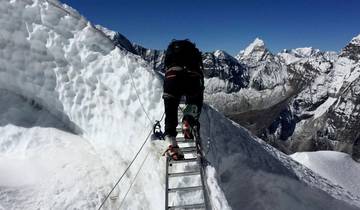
[(202, 170), (167, 184)]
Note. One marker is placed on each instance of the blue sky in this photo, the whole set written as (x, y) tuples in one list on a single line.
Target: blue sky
[(229, 25)]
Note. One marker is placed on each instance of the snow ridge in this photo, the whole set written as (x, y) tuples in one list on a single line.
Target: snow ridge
[(255, 45), (356, 40)]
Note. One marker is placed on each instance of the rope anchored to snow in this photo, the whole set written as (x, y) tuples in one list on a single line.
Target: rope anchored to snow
[(126, 170), (131, 163), (158, 134)]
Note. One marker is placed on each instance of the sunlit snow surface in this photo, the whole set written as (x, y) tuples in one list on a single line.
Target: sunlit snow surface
[(59, 60), (254, 175), (338, 167), (72, 118)]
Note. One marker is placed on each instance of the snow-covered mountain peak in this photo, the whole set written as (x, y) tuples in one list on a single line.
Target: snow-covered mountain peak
[(256, 45), (352, 50), (254, 53), (356, 40), (118, 39), (262, 65), (107, 32), (220, 54), (295, 55), (305, 51)]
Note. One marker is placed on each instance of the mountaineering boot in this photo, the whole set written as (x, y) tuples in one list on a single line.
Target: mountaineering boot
[(190, 118), (187, 130), (174, 152)]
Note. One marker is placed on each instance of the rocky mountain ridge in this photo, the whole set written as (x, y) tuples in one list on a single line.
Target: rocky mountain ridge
[(301, 99)]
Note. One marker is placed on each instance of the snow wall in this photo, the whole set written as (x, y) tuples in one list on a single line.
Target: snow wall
[(53, 56)]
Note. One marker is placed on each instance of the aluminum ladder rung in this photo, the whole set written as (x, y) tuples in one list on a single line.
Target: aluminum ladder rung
[(189, 206), (188, 160), (183, 140), (189, 152), (185, 189), (188, 173), (190, 148)]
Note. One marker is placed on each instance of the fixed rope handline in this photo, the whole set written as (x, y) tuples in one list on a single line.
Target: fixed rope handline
[(126, 170), (101, 32), (162, 117), (133, 181), (137, 93), (147, 115), (78, 18)]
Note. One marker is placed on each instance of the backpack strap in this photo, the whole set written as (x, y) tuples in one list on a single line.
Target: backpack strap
[(175, 68)]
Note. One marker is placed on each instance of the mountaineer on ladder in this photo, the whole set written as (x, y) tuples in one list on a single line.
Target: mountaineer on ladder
[(183, 77)]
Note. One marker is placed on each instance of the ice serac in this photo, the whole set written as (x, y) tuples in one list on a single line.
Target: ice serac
[(54, 58)]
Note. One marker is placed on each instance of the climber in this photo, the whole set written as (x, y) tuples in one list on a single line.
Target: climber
[(183, 77)]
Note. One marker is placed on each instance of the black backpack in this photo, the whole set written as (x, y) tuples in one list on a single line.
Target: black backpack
[(183, 53)]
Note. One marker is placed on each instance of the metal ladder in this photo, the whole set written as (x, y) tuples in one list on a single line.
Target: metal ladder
[(191, 149)]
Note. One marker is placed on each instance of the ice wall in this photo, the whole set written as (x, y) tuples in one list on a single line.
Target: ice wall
[(54, 56)]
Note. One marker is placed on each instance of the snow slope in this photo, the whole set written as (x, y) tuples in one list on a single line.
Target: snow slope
[(254, 175), (338, 167), (76, 109)]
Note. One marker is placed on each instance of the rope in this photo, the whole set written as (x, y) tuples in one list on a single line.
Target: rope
[(78, 17), (137, 93), (126, 170), (142, 105), (133, 181), (105, 36), (162, 117)]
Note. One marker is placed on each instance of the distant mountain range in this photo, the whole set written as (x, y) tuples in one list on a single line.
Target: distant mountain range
[(301, 99)]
